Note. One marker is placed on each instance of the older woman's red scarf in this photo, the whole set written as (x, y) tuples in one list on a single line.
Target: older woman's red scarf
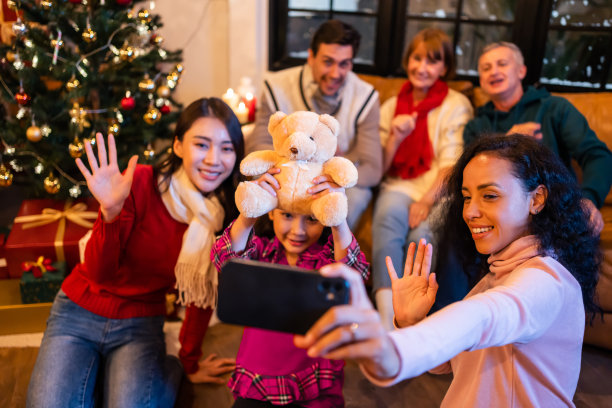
[(415, 153)]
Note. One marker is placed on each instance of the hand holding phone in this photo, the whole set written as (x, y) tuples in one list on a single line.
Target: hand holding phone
[(276, 297)]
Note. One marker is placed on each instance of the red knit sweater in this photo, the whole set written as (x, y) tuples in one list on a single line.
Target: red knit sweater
[(129, 262)]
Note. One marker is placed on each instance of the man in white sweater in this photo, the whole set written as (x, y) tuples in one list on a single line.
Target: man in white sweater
[(326, 84)]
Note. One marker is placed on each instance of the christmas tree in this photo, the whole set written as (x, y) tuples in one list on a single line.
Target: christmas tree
[(74, 68)]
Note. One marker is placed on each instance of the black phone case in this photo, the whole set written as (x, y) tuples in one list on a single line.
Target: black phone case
[(276, 297)]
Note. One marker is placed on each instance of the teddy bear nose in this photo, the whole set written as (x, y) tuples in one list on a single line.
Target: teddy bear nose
[(294, 150)]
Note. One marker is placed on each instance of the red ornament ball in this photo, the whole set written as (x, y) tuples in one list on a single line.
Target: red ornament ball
[(123, 2), (75, 1), (22, 98), (165, 109), (128, 103)]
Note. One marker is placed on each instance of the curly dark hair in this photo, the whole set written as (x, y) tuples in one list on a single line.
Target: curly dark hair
[(209, 108), (562, 226)]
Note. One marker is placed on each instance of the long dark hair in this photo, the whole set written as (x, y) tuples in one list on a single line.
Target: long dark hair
[(209, 108), (562, 226)]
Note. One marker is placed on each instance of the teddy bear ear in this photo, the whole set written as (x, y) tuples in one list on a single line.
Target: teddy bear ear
[(330, 122), (275, 119)]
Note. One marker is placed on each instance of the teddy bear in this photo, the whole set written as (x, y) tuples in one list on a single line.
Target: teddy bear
[(304, 147)]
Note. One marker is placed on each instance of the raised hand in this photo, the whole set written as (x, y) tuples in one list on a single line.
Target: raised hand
[(532, 129), (403, 125), (352, 331), (322, 185), (414, 294), (212, 370), (105, 181)]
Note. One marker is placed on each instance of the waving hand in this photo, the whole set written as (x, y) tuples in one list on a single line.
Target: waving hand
[(105, 181), (413, 294)]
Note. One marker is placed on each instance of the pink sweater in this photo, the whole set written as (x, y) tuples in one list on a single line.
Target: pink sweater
[(514, 341)]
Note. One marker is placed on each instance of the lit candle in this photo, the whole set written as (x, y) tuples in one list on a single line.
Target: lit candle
[(250, 102), (242, 113), (231, 98)]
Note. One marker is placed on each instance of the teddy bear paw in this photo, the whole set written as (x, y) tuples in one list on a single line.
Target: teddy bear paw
[(331, 209), (253, 201)]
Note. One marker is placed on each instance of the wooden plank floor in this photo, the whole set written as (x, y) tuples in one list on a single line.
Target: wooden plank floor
[(594, 387)]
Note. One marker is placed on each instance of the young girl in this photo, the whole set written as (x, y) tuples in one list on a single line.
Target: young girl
[(270, 370), (421, 131), (516, 339), (156, 227)]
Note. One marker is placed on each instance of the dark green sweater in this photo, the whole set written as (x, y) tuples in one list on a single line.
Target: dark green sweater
[(564, 130)]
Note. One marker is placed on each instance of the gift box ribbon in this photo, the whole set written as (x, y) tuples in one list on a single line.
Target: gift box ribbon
[(77, 214), (38, 268)]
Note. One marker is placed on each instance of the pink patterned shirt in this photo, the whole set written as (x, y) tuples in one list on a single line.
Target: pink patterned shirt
[(268, 366)]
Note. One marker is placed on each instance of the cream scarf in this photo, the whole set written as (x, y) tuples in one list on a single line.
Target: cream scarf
[(196, 276)]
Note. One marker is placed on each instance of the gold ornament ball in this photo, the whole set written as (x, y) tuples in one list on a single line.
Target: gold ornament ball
[(163, 91), (146, 85), (127, 53), (6, 177), (89, 35), (46, 4), (11, 56), (144, 16), (152, 115), (113, 129), (76, 148), (51, 184), (72, 84), (34, 134)]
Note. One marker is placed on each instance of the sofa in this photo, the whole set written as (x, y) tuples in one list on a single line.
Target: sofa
[(597, 108)]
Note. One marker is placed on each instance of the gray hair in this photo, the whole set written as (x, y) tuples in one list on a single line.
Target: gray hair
[(518, 55)]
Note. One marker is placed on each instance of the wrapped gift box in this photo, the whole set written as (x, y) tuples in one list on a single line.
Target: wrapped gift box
[(50, 228), (44, 288)]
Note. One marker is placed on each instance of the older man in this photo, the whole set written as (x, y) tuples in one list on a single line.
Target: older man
[(326, 84), (551, 119)]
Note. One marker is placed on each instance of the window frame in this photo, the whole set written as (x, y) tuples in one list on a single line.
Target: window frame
[(529, 33)]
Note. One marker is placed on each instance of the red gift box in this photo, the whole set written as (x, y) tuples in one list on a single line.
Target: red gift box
[(50, 228), (3, 268)]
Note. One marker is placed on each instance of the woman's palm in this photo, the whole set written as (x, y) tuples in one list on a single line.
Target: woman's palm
[(413, 294), (105, 181)]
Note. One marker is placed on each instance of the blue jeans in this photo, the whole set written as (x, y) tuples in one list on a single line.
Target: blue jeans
[(87, 360), (391, 235), (358, 199)]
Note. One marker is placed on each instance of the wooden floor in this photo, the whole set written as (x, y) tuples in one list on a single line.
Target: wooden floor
[(594, 387)]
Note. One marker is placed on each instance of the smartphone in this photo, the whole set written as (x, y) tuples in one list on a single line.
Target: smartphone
[(276, 297)]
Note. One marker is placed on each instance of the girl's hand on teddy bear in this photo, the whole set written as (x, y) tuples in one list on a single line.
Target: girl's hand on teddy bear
[(268, 182), (324, 184)]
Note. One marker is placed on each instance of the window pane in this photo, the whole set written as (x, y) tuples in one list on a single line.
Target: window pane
[(367, 28), (493, 10), (472, 40), (302, 25), (432, 8), (369, 6), (309, 4), (582, 13), (575, 58), (300, 28)]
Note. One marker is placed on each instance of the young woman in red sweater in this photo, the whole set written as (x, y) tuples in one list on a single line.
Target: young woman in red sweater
[(104, 340)]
